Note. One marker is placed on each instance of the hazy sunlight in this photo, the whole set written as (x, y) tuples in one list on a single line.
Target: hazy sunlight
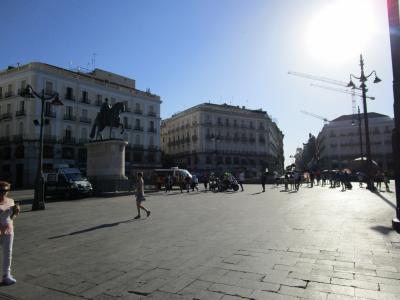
[(341, 30)]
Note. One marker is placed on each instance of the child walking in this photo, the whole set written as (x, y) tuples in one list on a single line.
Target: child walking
[(140, 196)]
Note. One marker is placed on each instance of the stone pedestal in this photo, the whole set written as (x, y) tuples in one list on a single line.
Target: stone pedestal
[(106, 166)]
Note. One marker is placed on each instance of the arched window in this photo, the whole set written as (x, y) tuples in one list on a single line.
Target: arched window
[(137, 139)]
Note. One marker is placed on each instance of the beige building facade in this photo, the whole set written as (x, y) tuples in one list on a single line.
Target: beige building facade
[(68, 127), (339, 141), (213, 137)]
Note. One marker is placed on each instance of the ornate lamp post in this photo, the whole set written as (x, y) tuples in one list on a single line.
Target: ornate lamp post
[(29, 92), (359, 129), (363, 79), (215, 138)]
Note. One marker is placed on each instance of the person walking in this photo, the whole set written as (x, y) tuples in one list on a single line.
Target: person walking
[(379, 179), (312, 178), (360, 179), (194, 183), (318, 176), (8, 211), (140, 196), (241, 179), (297, 179), (181, 183), (385, 179), (263, 180), (205, 181), (286, 181), (168, 183), (187, 183)]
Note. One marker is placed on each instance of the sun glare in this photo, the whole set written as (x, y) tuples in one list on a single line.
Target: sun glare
[(341, 30)]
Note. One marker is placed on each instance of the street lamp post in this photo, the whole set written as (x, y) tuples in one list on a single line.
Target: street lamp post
[(394, 28), (363, 86), (359, 129), (29, 92), (215, 138)]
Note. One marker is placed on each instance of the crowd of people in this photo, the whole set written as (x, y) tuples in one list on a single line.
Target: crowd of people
[(292, 180), (210, 180)]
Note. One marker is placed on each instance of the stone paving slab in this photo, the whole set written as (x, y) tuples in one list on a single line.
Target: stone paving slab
[(318, 243)]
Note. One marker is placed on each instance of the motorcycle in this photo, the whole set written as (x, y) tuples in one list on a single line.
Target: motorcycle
[(229, 183), (213, 183)]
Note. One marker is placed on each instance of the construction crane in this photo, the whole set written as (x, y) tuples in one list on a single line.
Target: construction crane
[(326, 121), (331, 81), (340, 90)]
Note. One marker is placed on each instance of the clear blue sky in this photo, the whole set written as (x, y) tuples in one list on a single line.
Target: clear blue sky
[(233, 51)]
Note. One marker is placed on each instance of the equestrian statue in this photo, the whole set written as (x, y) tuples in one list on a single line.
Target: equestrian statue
[(108, 116)]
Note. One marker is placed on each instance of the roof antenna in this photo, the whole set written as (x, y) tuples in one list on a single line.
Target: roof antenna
[(94, 61)]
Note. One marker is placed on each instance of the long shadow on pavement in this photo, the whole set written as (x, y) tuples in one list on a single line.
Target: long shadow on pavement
[(256, 193), (382, 229), (91, 229), (384, 199)]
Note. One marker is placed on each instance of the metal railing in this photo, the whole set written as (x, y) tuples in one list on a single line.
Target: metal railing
[(49, 138), (69, 97), (68, 140), (83, 140), (50, 114), (68, 117), (85, 120), (20, 112), (137, 147), (8, 94), (85, 100), (5, 116)]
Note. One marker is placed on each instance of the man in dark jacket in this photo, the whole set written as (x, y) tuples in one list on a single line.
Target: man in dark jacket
[(263, 180)]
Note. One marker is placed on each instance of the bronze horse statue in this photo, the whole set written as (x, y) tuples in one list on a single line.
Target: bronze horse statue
[(108, 118)]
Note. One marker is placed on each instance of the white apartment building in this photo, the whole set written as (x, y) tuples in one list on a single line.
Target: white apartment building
[(339, 141), (223, 138), (68, 127)]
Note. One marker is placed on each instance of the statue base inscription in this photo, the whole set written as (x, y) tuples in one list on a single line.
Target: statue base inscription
[(106, 166)]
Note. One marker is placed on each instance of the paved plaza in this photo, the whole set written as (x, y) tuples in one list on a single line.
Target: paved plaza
[(319, 243)]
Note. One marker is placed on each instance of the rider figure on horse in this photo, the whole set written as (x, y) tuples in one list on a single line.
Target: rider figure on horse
[(104, 110), (107, 116)]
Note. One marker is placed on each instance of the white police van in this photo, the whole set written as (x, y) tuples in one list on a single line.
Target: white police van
[(67, 183)]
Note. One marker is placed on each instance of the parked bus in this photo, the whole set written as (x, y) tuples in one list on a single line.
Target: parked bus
[(175, 172)]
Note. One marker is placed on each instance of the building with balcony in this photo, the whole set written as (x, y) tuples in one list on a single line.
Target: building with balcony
[(68, 127), (338, 143), (212, 137)]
